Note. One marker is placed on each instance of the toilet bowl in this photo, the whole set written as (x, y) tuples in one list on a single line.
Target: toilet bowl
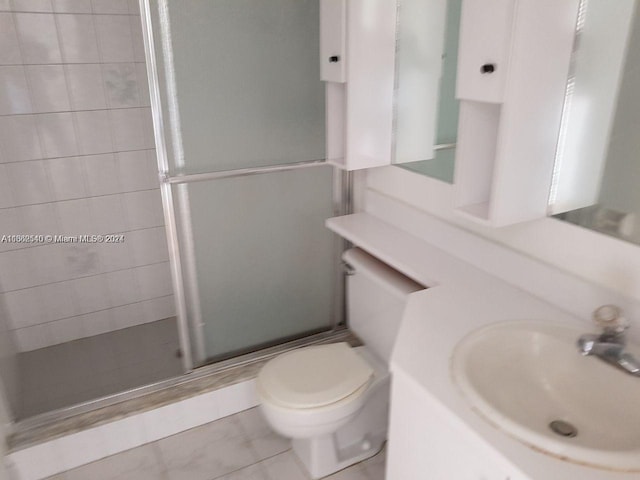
[(333, 400), (333, 420)]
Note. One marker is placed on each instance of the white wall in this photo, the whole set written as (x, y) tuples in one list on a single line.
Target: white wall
[(597, 258), (77, 157)]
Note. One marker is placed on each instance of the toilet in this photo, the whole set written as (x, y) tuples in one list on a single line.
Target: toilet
[(333, 400)]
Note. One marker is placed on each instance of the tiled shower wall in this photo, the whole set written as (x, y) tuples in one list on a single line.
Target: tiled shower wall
[(77, 157)]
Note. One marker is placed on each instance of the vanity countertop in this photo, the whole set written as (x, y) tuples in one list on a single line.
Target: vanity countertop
[(461, 299)]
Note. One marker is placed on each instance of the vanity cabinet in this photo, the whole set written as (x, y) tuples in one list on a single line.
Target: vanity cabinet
[(513, 64), (382, 64), (357, 62), (427, 443)]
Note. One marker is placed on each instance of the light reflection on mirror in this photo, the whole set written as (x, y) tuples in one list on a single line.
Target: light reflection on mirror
[(597, 173), (441, 166)]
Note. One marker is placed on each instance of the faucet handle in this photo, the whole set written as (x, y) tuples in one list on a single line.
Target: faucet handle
[(610, 318)]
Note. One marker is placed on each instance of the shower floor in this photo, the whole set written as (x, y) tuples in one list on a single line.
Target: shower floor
[(74, 372)]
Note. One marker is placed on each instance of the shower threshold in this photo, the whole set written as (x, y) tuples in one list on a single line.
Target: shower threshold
[(65, 421)]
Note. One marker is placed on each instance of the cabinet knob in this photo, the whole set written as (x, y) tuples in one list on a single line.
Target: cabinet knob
[(334, 59), (488, 68)]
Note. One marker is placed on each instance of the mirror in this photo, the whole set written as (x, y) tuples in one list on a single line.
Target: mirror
[(439, 161), (597, 170)]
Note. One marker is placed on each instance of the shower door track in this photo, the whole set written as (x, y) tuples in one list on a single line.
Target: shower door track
[(183, 277)]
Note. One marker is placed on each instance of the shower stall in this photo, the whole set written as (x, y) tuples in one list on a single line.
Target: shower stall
[(190, 133), (239, 119)]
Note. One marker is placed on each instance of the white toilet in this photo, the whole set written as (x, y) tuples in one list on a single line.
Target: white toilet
[(333, 400)]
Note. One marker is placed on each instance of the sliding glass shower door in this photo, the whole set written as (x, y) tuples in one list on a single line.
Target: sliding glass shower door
[(239, 117)]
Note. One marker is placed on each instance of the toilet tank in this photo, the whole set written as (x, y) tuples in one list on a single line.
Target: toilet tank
[(376, 296)]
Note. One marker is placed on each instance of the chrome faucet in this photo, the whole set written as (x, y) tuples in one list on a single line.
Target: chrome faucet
[(609, 346)]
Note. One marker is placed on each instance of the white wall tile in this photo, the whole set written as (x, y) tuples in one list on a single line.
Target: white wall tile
[(116, 256), (5, 5), (125, 316), (121, 85), (108, 214), (114, 37), (19, 138), (16, 269), (147, 121), (138, 41), (101, 174), (48, 264), (33, 338), (236, 398), (29, 182), (154, 280), (38, 38), (82, 447), (78, 38), (14, 92), (66, 176), (143, 209), (75, 217), (143, 83), (66, 330), (110, 6), (80, 259), (159, 308), (92, 292), (60, 300), (58, 134), (9, 225), (124, 434), (123, 287), (38, 219), (85, 87), (134, 7), (25, 307), (9, 48), (96, 323), (6, 195), (71, 6), (138, 170), (94, 133), (148, 246), (37, 462), (32, 5), (128, 129), (48, 88), (200, 409), (163, 422)]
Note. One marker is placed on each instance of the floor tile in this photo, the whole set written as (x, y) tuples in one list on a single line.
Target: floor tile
[(142, 463), (207, 452), (253, 472), (285, 467), (355, 472), (264, 440), (375, 466)]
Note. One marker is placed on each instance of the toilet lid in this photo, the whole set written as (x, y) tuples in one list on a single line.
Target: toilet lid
[(314, 376)]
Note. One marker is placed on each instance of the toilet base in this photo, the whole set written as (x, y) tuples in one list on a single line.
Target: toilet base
[(321, 457), (358, 440)]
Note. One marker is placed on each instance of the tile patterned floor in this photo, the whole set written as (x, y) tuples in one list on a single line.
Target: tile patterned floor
[(239, 447), (89, 368)]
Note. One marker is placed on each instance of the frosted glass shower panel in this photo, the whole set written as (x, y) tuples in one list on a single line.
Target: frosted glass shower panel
[(265, 262), (247, 80)]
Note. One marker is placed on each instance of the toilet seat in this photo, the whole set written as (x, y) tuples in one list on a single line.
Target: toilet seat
[(314, 377)]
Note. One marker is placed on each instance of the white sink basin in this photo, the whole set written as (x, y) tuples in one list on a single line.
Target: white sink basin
[(523, 375)]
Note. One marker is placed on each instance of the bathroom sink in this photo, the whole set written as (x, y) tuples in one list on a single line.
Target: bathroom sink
[(528, 379)]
